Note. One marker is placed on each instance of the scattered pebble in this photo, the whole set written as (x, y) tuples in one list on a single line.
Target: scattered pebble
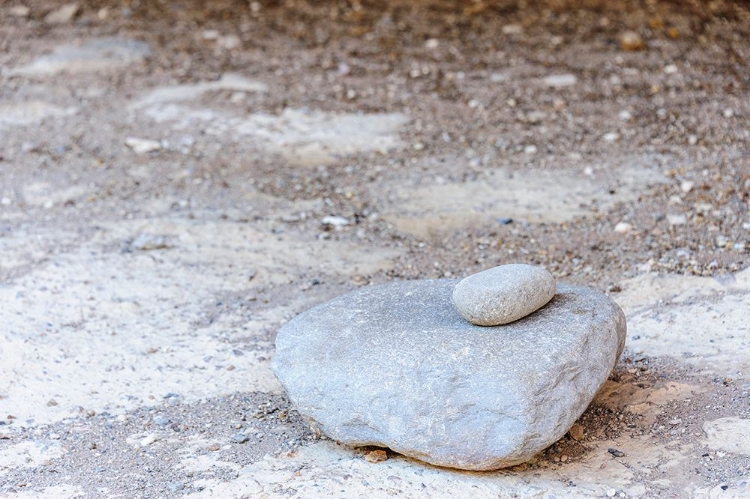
[(630, 41), (175, 486), (512, 29), (335, 222), (376, 456), (161, 420), (623, 227), (616, 453), (676, 219), (19, 11), (239, 438), (671, 69), (610, 137), (51, 403), (150, 439), (432, 43), (561, 80), (576, 432), (147, 242), (142, 146), (687, 186), (530, 149), (63, 14)]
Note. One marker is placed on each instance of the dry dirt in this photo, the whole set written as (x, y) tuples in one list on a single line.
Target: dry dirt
[(179, 178)]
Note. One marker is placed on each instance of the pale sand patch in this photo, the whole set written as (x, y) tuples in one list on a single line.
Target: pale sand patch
[(326, 470), (92, 55), (31, 112), (533, 196), (29, 454), (301, 136), (96, 329), (56, 492), (729, 435), (191, 91), (700, 320)]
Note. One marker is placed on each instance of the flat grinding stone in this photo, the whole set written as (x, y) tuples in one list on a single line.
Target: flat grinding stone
[(503, 294), (396, 366)]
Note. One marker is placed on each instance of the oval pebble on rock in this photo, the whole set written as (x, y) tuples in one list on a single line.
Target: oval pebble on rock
[(503, 294), (396, 366)]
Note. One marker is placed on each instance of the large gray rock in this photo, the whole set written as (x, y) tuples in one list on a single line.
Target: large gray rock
[(396, 366)]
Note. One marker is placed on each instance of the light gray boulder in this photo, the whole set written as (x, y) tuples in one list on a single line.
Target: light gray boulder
[(503, 294), (396, 366)]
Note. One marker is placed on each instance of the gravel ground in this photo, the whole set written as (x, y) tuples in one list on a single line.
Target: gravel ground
[(358, 143)]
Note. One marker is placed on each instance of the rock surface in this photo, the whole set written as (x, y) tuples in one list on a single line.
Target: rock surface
[(396, 366), (503, 294)]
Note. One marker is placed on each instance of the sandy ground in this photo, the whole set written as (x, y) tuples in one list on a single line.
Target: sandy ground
[(179, 178)]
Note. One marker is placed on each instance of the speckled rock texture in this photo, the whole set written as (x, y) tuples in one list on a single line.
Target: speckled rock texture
[(396, 366), (503, 294)]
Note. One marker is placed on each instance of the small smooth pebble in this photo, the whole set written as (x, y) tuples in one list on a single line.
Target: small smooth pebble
[(503, 294)]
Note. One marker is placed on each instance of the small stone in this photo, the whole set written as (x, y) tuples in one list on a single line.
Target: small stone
[(676, 219), (239, 438), (687, 186), (161, 420), (623, 227), (213, 447), (576, 432), (611, 492), (671, 69), (335, 222), (175, 486), (51, 403), (19, 11), (63, 14), (148, 242), (148, 440), (530, 149), (229, 42), (561, 80), (630, 41), (503, 294), (616, 452), (512, 29), (610, 137), (142, 146), (432, 43), (376, 456)]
